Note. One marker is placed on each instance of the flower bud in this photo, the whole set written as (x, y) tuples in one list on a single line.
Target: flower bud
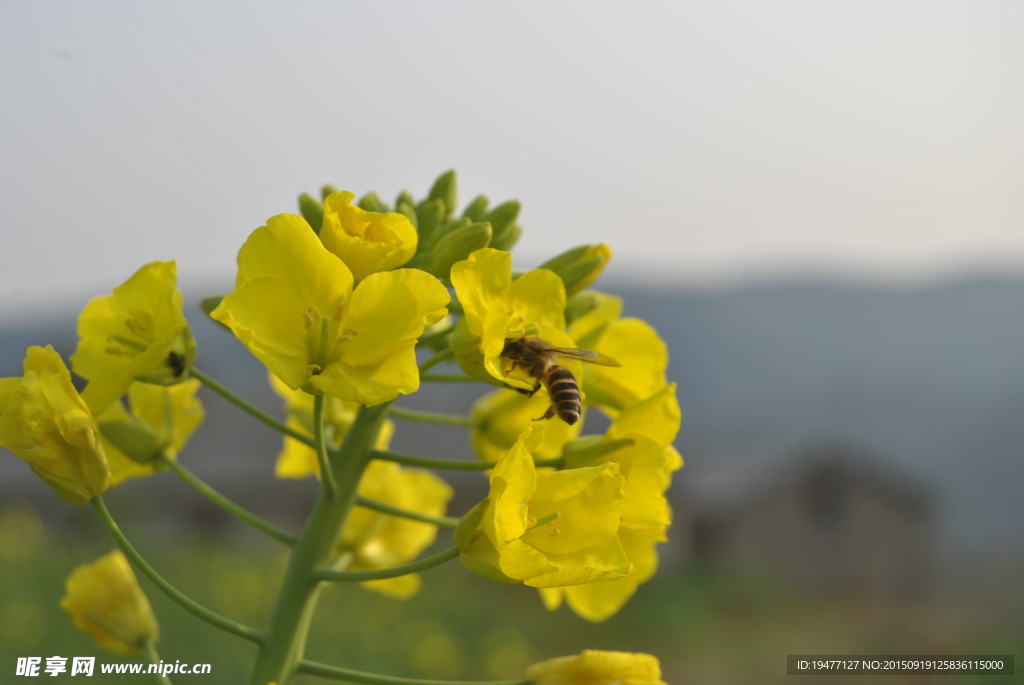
[(136, 442), (594, 667), (105, 601), (580, 266), (445, 189), (371, 203), (312, 211), (458, 245), (327, 190)]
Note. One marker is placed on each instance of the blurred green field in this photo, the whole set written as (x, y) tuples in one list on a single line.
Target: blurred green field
[(705, 629)]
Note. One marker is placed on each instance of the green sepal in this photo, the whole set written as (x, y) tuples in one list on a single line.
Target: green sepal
[(445, 189), (580, 304), (503, 216), (371, 203), (477, 209), (312, 211), (457, 245), (137, 443), (208, 304), (508, 238), (590, 449), (429, 215)]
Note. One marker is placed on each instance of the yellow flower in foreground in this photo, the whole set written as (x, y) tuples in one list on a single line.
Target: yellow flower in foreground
[(594, 667), (295, 309), (549, 529), (138, 332), (633, 343), (46, 422), (377, 540), (366, 241), (168, 415), (502, 416), (496, 309), (647, 465), (105, 601), (298, 460)]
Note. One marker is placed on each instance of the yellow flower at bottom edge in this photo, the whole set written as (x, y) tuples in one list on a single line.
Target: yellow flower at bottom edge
[(137, 332), (366, 241), (167, 415), (298, 460), (294, 307), (105, 601), (46, 422), (647, 465), (550, 529), (595, 667), (378, 540)]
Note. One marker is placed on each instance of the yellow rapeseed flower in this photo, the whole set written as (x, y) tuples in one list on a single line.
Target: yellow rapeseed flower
[(366, 241), (105, 601), (633, 343), (549, 529), (138, 332), (500, 417), (595, 667), (46, 422), (496, 308), (297, 459), (294, 307), (647, 465), (167, 414), (378, 540)]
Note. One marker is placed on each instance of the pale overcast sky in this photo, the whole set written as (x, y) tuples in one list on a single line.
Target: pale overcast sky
[(707, 142)]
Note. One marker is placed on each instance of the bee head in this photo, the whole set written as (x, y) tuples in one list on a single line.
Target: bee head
[(513, 347)]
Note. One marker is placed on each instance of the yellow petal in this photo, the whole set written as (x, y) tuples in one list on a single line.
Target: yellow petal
[(480, 281), (594, 667), (657, 417), (366, 241)]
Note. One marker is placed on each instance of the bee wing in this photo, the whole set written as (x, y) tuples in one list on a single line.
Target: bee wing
[(586, 356)]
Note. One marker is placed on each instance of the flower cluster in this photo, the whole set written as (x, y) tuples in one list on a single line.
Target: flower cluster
[(336, 303)]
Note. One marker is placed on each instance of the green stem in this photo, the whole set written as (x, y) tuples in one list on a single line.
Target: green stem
[(255, 412), (450, 464), (431, 417), (381, 573), (211, 617), (154, 658), (441, 356), (353, 676), (447, 378), (280, 654), (326, 474), (227, 505), (384, 508), (436, 335)]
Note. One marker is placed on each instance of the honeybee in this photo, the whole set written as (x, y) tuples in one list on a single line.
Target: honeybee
[(539, 360)]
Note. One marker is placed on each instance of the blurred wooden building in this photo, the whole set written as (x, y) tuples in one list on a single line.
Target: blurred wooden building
[(828, 521)]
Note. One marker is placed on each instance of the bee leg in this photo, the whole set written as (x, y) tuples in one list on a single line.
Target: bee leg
[(547, 415)]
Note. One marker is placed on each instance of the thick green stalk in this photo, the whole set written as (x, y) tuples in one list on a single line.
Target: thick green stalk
[(200, 486), (190, 605), (249, 409), (350, 675), (283, 649), (394, 572)]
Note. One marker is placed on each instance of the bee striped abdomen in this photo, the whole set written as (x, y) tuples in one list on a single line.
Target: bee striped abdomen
[(565, 394)]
